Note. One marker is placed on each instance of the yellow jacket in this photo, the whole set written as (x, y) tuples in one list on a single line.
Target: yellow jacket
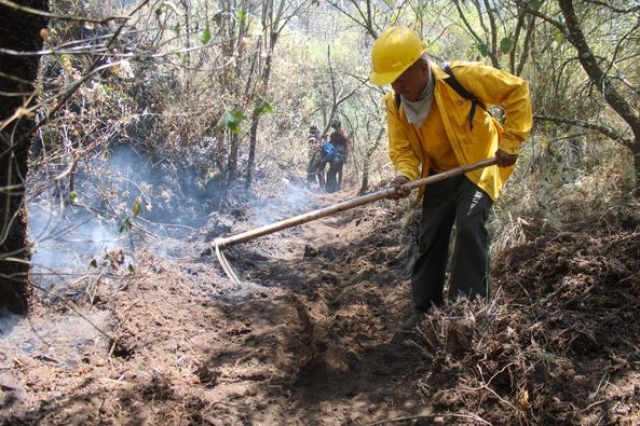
[(492, 87)]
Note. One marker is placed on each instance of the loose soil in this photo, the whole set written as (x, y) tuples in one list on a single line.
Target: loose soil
[(310, 337)]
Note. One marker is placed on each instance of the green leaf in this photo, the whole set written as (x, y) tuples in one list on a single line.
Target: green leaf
[(535, 4), (505, 45), (231, 120), (483, 48), (240, 15), (182, 58), (136, 206), (206, 36), (126, 225), (262, 107), (470, 54), (559, 36)]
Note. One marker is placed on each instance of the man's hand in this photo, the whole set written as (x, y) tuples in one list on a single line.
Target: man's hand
[(401, 191), (504, 159)]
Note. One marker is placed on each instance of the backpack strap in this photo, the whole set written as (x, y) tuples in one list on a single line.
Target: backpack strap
[(453, 82)]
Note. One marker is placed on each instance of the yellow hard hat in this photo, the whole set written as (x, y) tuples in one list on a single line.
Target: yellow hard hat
[(393, 52)]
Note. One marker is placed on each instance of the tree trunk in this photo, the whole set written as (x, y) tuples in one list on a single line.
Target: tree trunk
[(367, 161), (255, 117), (635, 149), (253, 138), (602, 81), (271, 30), (19, 32)]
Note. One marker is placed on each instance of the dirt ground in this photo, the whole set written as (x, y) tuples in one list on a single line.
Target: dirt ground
[(310, 337)]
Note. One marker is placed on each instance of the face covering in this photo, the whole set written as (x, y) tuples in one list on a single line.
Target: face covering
[(417, 111)]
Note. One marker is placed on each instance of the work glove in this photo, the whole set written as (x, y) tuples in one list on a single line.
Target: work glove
[(401, 191)]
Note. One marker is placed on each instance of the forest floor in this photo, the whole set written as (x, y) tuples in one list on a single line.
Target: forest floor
[(311, 336)]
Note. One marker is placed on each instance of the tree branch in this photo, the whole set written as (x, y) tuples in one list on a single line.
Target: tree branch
[(614, 9), (38, 12), (466, 22), (605, 130), (591, 66)]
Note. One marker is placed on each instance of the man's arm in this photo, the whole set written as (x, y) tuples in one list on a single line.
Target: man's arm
[(405, 160), (496, 87)]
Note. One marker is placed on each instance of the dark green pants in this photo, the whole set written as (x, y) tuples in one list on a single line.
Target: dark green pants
[(454, 201)]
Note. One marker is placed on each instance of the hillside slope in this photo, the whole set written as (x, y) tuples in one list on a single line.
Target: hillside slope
[(310, 337)]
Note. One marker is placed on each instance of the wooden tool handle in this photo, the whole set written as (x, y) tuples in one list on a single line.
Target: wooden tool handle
[(343, 206)]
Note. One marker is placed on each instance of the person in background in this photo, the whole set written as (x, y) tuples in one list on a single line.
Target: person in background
[(315, 167), (432, 128), (314, 132), (334, 156), (340, 139)]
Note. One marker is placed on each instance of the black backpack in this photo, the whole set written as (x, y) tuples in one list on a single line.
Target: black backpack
[(453, 82)]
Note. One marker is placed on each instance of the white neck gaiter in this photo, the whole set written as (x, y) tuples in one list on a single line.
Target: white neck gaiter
[(417, 111)]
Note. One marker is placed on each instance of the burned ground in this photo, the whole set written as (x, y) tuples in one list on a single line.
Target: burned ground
[(310, 335)]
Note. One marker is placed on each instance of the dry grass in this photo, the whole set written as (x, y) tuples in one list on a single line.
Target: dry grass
[(547, 193)]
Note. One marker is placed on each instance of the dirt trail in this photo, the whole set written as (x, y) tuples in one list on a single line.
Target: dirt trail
[(310, 337), (306, 339), (332, 305)]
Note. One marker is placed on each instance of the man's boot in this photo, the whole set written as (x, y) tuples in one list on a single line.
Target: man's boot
[(411, 322)]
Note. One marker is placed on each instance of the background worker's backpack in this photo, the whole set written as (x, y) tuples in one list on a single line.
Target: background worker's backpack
[(332, 154), (453, 82)]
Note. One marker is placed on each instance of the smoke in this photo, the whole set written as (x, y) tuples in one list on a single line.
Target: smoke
[(58, 338), (69, 239), (79, 222), (126, 200), (294, 200)]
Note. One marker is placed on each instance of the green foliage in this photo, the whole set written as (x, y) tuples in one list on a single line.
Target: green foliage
[(137, 203), (126, 225), (232, 120), (262, 107), (506, 44), (559, 36), (206, 36), (484, 49)]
